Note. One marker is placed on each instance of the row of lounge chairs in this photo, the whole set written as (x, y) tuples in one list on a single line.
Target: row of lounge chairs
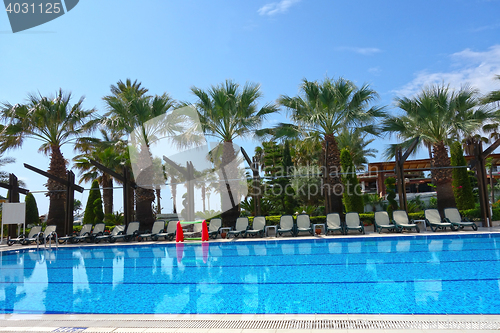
[(401, 221), (287, 225)]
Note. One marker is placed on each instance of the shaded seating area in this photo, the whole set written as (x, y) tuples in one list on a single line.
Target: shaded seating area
[(353, 222), (433, 219), (333, 223), (403, 222), (286, 226), (258, 226), (452, 215), (383, 222), (240, 228), (303, 224)]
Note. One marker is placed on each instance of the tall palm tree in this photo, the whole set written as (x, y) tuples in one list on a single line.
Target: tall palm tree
[(325, 109), (129, 113), (227, 112), (54, 122), (438, 116)]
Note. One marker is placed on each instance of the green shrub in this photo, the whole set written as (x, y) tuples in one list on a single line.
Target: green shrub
[(95, 193), (352, 197), (98, 211), (390, 186), (32, 215), (462, 188)]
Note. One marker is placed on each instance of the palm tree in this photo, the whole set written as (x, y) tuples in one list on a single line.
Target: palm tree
[(438, 116), (227, 112), (129, 110), (324, 110), (355, 141), (110, 152), (4, 176), (492, 97), (54, 122)]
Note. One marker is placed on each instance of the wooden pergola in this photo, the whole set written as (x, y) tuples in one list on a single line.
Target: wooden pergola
[(380, 170)]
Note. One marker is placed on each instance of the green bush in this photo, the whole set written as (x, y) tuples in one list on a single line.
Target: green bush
[(352, 197), (95, 193), (462, 188), (32, 216), (390, 186)]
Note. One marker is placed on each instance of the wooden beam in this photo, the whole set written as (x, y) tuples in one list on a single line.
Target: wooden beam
[(55, 178)]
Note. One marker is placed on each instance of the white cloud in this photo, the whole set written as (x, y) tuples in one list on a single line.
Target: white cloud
[(477, 69), (375, 70), (274, 8), (360, 50)]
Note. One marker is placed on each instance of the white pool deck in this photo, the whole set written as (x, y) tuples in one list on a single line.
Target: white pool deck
[(271, 323)]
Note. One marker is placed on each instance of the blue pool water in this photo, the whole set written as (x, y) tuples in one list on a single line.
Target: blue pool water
[(452, 274)]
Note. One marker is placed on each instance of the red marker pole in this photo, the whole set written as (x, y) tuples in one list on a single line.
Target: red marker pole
[(204, 232), (179, 235)]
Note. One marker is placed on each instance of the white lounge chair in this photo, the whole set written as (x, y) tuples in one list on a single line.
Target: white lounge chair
[(303, 224), (333, 223), (240, 228), (286, 225), (453, 216), (382, 221), (353, 222), (401, 220), (433, 219), (258, 226)]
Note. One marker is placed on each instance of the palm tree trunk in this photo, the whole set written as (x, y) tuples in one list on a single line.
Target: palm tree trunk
[(145, 195), (229, 212), (57, 194), (203, 189), (107, 193), (332, 186), (174, 195), (158, 197), (442, 177)]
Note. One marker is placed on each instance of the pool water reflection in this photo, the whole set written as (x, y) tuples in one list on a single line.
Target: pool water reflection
[(442, 274)]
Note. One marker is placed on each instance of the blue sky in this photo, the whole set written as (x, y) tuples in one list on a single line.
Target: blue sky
[(395, 46)]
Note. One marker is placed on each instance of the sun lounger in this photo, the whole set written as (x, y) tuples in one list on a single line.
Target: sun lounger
[(49, 234), (240, 227), (115, 232), (286, 225), (303, 224), (158, 227), (382, 222), (333, 223), (433, 219), (453, 216), (258, 226), (34, 235), (131, 233), (171, 230), (353, 222), (214, 227), (401, 220), (85, 232), (197, 228)]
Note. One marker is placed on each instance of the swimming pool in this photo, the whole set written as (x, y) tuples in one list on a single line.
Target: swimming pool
[(439, 274)]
